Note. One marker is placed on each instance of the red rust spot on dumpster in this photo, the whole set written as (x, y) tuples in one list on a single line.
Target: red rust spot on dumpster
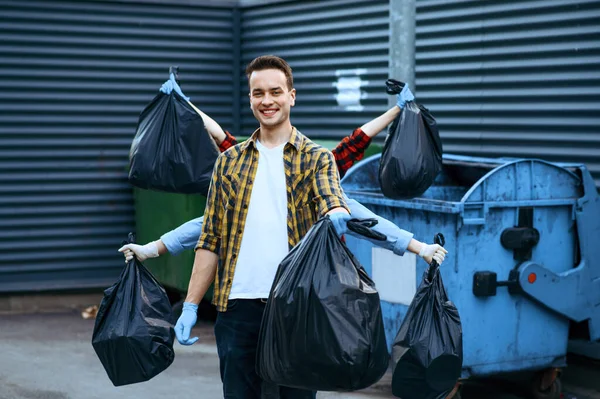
[(531, 278)]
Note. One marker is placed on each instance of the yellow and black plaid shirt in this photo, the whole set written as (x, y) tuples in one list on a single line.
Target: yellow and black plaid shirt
[(313, 189)]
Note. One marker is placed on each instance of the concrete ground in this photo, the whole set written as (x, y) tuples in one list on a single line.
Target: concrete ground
[(49, 356)]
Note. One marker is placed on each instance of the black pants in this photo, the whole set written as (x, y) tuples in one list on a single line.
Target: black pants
[(236, 331)]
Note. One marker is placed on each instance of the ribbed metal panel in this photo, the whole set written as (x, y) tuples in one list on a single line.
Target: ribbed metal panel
[(513, 78), (75, 75), (325, 43)]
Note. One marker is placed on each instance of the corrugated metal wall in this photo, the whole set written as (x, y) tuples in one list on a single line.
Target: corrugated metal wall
[(502, 78), (75, 75), (513, 78), (338, 50)]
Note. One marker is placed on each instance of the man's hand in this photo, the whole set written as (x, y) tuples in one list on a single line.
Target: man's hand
[(433, 252), (171, 85), (339, 220), (404, 96), (184, 325), (141, 252)]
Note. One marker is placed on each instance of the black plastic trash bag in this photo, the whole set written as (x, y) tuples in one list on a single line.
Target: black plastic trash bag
[(322, 329), (427, 352), (171, 150), (133, 335), (412, 154)]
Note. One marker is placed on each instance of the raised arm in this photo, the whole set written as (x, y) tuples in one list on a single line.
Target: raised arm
[(212, 127), (375, 126), (352, 148)]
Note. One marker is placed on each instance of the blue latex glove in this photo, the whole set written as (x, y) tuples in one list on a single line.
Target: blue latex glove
[(171, 85), (404, 96), (339, 220), (184, 325)]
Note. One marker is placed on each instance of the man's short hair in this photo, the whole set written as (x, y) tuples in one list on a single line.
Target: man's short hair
[(271, 62)]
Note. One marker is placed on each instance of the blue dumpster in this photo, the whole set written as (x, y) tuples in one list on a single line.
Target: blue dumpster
[(522, 263)]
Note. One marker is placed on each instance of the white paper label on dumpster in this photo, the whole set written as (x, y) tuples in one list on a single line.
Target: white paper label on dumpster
[(395, 276)]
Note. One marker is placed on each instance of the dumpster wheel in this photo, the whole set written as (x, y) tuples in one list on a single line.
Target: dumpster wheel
[(546, 385)]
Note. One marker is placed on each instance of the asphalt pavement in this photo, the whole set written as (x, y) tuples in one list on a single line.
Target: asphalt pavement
[(50, 356)]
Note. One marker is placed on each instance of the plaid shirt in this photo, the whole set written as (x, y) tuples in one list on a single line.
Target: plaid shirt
[(313, 189), (349, 151)]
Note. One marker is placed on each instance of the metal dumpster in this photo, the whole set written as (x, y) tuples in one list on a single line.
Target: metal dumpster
[(522, 263)]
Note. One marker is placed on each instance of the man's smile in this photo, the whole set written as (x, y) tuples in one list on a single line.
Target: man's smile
[(268, 112)]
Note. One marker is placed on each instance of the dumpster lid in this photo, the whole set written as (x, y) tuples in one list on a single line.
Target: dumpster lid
[(476, 179)]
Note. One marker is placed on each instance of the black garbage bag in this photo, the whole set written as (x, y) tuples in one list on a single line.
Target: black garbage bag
[(412, 153), (171, 150), (133, 334), (427, 352), (322, 329)]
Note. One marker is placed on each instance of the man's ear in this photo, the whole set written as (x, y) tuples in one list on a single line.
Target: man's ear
[(293, 97)]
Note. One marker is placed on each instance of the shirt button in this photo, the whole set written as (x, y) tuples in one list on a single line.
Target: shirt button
[(245, 206), (233, 256), (249, 181), (239, 231)]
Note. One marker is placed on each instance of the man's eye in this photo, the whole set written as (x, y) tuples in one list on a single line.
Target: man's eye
[(257, 94), (276, 93)]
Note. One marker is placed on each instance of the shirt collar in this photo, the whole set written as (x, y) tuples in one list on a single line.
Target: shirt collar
[(295, 139)]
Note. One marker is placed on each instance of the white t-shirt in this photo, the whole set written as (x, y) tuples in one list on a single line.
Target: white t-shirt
[(265, 239)]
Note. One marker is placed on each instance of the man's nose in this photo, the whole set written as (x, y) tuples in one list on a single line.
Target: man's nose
[(267, 99)]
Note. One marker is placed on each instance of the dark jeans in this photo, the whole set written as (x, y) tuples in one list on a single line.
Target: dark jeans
[(236, 331)]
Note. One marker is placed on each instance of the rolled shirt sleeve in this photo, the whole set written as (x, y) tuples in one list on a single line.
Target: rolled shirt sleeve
[(210, 237), (183, 237), (229, 142), (326, 185), (351, 150), (397, 239)]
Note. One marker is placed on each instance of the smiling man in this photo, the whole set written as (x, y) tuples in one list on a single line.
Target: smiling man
[(264, 195)]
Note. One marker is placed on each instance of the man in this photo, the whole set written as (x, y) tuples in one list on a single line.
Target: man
[(350, 150), (264, 196)]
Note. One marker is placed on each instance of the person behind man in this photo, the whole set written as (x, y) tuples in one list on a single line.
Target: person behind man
[(264, 196), (349, 151)]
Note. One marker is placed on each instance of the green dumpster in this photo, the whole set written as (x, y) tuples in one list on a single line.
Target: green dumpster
[(157, 213)]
